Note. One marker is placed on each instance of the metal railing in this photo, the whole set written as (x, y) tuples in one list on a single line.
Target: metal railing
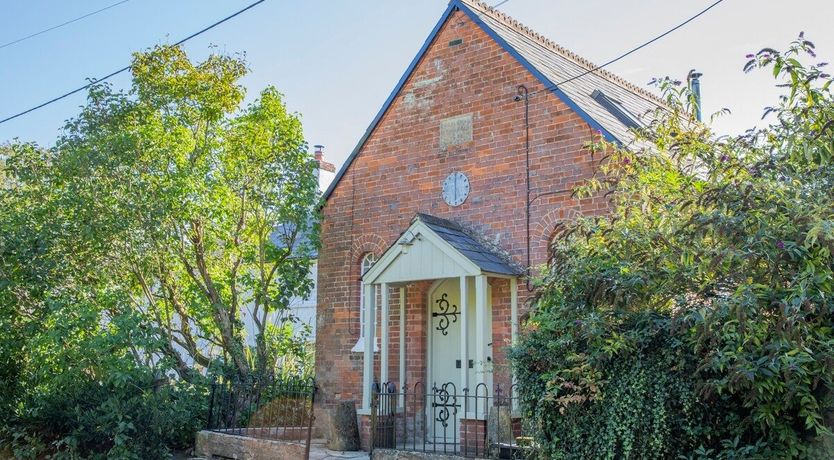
[(274, 408), (478, 423)]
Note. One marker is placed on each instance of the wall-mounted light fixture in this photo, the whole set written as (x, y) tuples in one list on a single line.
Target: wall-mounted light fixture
[(406, 241)]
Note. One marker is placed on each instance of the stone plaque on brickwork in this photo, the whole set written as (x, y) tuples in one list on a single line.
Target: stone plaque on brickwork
[(455, 131)]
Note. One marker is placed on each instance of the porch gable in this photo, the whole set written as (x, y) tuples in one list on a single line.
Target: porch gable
[(433, 248)]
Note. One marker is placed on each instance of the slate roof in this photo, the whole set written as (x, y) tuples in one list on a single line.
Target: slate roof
[(556, 65), (282, 232), (485, 258), (551, 64)]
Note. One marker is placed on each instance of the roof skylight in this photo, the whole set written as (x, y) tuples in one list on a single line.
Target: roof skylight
[(617, 109)]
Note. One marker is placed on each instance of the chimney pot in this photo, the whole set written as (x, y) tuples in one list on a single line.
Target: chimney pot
[(319, 156)]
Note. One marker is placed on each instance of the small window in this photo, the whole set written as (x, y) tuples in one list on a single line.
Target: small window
[(617, 109), (368, 261)]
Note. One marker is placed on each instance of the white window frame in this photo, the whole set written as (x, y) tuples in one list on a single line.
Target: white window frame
[(368, 261)]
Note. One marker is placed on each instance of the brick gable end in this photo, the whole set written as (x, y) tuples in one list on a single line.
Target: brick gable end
[(401, 166)]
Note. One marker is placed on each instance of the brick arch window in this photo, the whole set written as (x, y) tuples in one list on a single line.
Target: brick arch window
[(365, 263)]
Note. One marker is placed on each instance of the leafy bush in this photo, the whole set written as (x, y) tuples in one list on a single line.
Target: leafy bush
[(82, 394), (695, 320), (641, 403), (135, 418)]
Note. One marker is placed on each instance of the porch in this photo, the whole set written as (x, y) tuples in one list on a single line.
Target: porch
[(447, 304)]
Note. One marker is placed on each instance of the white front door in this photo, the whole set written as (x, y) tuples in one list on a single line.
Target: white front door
[(445, 405)]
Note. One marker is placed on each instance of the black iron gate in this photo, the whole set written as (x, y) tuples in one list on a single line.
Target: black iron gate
[(279, 409), (444, 420)]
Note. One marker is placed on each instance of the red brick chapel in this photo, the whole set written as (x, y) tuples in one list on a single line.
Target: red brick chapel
[(449, 201)]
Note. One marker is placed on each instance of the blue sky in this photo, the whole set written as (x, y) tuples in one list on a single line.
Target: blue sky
[(337, 60)]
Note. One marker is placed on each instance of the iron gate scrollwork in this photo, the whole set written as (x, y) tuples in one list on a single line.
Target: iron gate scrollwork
[(445, 400), (447, 310), (450, 421)]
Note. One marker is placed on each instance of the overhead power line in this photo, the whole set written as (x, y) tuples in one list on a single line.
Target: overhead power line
[(62, 24), (631, 51), (124, 69)]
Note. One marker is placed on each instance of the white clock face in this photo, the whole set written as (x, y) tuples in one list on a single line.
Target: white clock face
[(455, 189)]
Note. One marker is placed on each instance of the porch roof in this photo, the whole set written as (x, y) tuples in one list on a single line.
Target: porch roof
[(434, 248), (487, 259)]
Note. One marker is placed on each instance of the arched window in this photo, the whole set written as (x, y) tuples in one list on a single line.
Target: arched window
[(368, 261)]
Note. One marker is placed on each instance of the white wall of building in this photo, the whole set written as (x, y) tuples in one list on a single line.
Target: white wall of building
[(303, 309)]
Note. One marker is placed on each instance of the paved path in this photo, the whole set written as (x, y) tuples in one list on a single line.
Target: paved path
[(319, 452)]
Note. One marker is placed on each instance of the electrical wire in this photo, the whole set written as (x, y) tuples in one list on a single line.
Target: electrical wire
[(631, 51), (62, 24), (126, 68), (589, 71)]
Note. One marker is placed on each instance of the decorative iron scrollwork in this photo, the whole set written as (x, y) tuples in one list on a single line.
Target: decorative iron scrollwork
[(447, 310), (444, 400)]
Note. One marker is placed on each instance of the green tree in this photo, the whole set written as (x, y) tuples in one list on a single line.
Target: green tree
[(175, 193), (696, 318), (131, 249)]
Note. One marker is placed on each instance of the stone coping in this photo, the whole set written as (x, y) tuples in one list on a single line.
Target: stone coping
[(211, 444)]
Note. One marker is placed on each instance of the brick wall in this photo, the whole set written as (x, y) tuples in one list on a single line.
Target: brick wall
[(399, 173)]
